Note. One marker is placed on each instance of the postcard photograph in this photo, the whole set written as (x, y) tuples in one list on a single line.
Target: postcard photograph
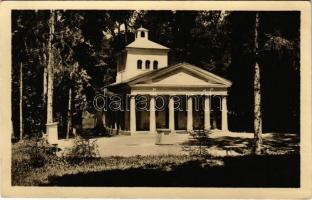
[(157, 98)]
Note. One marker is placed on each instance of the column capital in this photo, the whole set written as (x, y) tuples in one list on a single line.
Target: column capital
[(172, 96), (189, 96), (171, 101)]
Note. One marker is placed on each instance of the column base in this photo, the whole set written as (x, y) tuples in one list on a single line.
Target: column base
[(52, 133)]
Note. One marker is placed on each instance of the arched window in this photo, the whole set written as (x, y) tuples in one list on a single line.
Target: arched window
[(142, 34), (139, 64), (147, 64), (155, 64)]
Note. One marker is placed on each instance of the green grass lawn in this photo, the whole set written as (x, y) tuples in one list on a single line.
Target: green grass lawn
[(42, 168)]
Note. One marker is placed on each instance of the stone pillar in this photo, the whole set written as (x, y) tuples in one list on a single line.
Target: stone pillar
[(152, 115), (224, 120), (189, 113), (207, 113), (52, 133), (171, 114), (132, 115)]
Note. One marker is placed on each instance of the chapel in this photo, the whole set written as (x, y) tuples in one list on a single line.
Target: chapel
[(156, 95)]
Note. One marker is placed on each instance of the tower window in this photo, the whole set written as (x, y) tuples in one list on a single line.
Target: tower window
[(142, 34), (155, 64), (139, 64), (147, 64)]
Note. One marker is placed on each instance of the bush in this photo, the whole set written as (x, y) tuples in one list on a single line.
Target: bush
[(201, 140), (35, 152), (28, 157), (83, 150)]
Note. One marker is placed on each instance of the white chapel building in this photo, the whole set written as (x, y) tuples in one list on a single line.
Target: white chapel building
[(174, 97)]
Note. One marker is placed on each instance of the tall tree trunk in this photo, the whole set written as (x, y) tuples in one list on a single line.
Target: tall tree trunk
[(44, 92), (126, 31), (257, 96), (21, 102), (118, 28), (50, 71), (69, 114)]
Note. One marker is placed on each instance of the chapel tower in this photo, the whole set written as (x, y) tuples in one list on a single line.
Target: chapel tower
[(140, 56)]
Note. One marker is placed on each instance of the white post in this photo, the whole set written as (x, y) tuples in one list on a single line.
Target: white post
[(207, 113), (152, 115), (224, 114), (132, 115), (171, 114), (189, 113)]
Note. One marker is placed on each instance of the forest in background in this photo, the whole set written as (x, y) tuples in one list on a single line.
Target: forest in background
[(85, 42)]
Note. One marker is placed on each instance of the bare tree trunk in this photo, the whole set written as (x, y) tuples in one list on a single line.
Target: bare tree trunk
[(118, 28), (126, 31), (50, 71), (69, 114), (257, 96), (45, 88), (21, 103)]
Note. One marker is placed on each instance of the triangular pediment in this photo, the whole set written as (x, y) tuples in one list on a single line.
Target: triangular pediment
[(182, 74), (180, 77)]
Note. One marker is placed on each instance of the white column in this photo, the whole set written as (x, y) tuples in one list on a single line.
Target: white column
[(224, 114), (152, 115), (171, 114), (104, 118), (132, 115), (207, 113), (189, 113)]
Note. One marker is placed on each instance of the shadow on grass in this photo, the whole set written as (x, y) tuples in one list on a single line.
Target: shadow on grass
[(277, 143), (244, 171)]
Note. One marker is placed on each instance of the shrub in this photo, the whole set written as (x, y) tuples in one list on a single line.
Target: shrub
[(84, 149), (29, 156), (201, 140), (34, 152)]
